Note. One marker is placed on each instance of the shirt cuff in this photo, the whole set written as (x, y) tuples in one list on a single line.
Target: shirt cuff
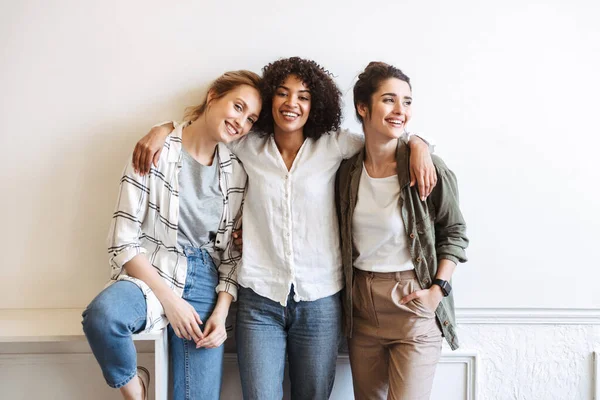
[(126, 255), (228, 287), (165, 123)]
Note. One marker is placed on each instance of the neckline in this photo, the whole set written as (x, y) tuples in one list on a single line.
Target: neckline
[(384, 179), (280, 157)]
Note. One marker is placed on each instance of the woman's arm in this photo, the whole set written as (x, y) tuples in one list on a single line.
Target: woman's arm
[(147, 149), (422, 170), (215, 330), (450, 234), (450, 227), (183, 318)]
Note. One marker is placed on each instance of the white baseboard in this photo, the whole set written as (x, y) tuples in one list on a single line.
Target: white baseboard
[(528, 316)]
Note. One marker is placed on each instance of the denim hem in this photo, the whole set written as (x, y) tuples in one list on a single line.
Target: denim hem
[(125, 382)]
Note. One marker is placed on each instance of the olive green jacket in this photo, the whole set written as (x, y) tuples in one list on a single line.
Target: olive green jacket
[(435, 229)]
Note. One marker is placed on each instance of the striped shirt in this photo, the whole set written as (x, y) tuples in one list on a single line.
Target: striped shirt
[(146, 219)]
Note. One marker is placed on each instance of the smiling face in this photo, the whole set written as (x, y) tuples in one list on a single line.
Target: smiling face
[(291, 106), (232, 116), (390, 110)]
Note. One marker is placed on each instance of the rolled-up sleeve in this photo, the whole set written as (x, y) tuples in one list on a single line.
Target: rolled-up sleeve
[(228, 276), (450, 227), (124, 236), (230, 261)]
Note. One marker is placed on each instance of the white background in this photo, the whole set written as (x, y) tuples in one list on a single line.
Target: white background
[(509, 90)]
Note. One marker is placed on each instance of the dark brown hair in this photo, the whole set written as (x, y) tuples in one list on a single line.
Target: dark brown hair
[(369, 81)]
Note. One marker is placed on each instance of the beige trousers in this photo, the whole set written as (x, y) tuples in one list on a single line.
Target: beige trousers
[(394, 348)]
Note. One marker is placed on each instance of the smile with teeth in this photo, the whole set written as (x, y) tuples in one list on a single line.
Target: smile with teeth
[(395, 122), (290, 116), (230, 129)]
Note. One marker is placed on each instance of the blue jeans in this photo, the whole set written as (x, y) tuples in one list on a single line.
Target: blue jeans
[(308, 331), (120, 311)]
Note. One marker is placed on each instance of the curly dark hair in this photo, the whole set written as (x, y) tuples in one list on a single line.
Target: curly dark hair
[(326, 108)]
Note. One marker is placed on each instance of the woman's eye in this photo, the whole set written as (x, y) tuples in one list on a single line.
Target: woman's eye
[(238, 107), (251, 120), (407, 103), (304, 98), (388, 100), (281, 94)]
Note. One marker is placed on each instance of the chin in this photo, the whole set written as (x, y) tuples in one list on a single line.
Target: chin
[(288, 128), (226, 138), (396, 133)]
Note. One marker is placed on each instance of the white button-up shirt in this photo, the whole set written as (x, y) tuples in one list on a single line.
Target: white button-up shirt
[(291, 233)]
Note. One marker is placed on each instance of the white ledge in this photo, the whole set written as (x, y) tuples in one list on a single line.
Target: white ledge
[(47, 325), (528, 316)]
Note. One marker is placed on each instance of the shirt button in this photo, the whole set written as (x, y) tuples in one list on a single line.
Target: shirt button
[(287, 234), (287, 176), (446, 323), (412, 235), (418, 259), (289, 253)]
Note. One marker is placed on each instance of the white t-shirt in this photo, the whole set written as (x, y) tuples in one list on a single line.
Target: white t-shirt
[(377, 226)]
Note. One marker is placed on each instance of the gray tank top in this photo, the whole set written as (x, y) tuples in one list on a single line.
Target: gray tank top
[(200, 204)]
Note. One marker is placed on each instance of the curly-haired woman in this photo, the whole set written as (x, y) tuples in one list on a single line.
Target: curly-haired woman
[(291, 275)]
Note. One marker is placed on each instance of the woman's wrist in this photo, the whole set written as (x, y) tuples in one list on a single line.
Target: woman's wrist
[(221, 309), (415, 142), (165, 295)]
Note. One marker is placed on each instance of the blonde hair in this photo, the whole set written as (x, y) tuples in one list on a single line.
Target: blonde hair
[(221, 86)]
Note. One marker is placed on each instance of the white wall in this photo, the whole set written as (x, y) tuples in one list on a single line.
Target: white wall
[(508, 89)]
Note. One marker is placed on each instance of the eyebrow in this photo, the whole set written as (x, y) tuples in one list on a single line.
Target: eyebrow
[(246, 107), (287, 88), (395, 95)]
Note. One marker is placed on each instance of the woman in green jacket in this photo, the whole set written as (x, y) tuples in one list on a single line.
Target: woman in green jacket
[(398, 251)]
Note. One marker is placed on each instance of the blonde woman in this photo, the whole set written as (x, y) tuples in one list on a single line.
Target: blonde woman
[(171, 252)]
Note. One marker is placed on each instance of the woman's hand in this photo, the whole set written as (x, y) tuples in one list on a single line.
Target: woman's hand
[(184, 320), (214, 331), (422, 170), (148, 149), (237, 239), (429, 297)]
